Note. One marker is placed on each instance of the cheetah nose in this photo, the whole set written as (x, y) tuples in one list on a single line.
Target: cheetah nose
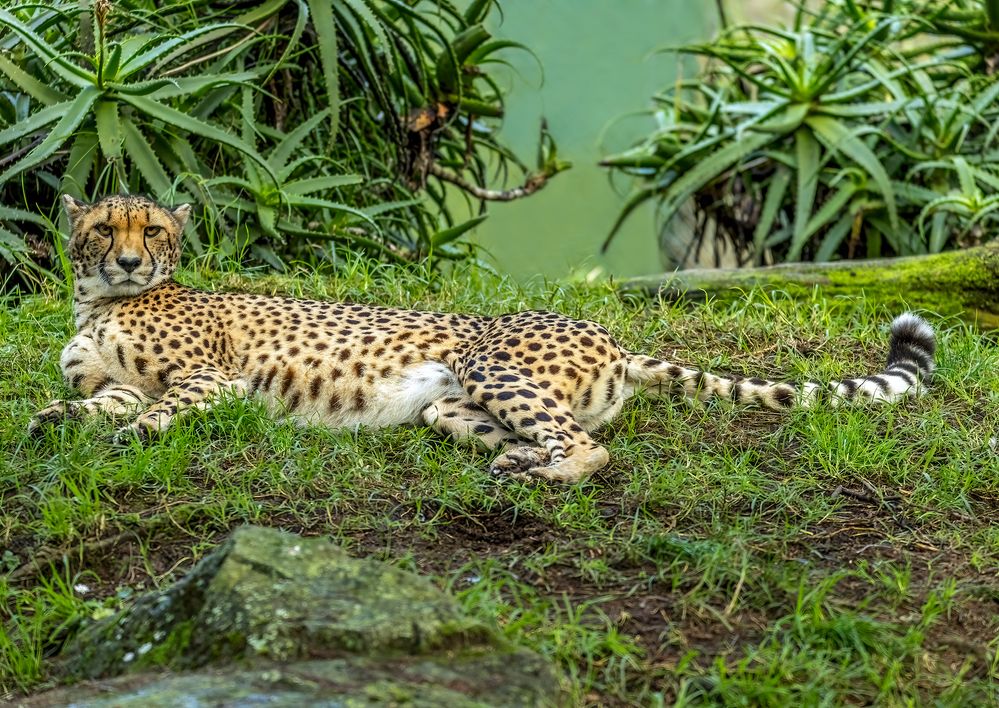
[(128, 263)]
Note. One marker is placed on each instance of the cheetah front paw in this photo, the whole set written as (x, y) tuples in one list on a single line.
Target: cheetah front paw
[(53, 413), (518, 462)]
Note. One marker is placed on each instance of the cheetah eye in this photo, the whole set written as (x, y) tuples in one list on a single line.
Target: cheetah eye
[(104, 229), (151, 231)]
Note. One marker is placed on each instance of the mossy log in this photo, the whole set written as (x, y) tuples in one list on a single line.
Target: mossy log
[(958, 282)]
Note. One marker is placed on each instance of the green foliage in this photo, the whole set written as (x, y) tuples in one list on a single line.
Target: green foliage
[(296, 125), (866, 129)]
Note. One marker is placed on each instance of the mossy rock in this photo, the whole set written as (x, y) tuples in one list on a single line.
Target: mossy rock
[(267, 594), (479, 677)]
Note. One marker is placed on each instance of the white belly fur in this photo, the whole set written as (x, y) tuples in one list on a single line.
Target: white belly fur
[(397, 400)]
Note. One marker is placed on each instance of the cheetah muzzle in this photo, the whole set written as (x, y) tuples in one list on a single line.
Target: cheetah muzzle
[(531, 384)]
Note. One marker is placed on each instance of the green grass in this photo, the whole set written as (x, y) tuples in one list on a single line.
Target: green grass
[(725, 556)]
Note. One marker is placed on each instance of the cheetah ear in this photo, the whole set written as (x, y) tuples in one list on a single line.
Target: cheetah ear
[(181, 214), (74, 207)]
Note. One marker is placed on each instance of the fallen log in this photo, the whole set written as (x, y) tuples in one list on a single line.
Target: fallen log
[(964, 282)]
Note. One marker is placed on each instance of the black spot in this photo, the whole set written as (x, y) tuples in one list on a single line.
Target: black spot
[(784, 397)]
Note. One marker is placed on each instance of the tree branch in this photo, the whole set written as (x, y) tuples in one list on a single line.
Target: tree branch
[(532, 184)]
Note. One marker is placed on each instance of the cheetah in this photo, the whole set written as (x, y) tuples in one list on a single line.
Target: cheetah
[(532, 385)]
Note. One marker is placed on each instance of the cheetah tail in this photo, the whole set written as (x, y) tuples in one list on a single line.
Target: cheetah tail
[(908, 371)]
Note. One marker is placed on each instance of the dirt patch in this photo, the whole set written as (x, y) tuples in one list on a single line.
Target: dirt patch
[(661, 619)]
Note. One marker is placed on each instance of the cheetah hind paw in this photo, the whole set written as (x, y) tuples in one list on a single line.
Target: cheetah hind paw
[(123, 438), (517, 463)]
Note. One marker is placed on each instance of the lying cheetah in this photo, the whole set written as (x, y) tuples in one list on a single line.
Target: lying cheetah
[(533, 384)]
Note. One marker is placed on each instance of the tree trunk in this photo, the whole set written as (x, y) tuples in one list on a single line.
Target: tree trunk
[(958, 282)]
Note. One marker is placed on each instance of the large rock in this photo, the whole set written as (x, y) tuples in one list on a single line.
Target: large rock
[(307, 623), (481, 677)]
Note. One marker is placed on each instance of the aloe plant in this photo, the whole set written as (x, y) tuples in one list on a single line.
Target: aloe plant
[(844, 135), (292, 122)]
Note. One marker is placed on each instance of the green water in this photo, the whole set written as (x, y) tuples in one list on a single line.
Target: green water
[(598, 63)]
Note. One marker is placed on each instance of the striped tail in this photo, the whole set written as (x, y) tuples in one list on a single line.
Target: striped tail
[(909, 369)]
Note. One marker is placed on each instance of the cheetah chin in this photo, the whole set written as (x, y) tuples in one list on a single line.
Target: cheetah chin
[(531, 384)]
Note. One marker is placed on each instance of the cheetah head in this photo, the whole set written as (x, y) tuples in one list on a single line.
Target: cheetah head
[(122, 245)]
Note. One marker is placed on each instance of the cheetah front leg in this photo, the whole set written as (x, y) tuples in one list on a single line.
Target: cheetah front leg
[(198, 390), (116, 400), (85, 370)]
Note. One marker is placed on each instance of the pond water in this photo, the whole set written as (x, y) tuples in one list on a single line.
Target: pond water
[(598, 63)]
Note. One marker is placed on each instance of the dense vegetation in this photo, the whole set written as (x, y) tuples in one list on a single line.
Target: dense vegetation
[(867, 128), (296, 126), (739, 557)]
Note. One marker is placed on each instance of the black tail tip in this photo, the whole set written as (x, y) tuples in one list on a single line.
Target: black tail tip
[(912, 340)]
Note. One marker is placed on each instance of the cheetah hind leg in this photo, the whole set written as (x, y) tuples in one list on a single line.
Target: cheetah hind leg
[(462, 419), (517, 462)]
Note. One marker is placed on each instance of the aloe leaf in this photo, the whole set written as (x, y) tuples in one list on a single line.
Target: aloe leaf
[(36, 121), (316, 184), (683, 187), (834, 237), (314, 202), (14, 214), (82, 156), (185, 86), (38, 90), (364, 13), (10, 241), (384, 207), (839, 138), (481, 54), (144, 159), (938, 232), (965, 178), (59, 64), (283, 151), (477, 11), (867, 109), (231, 182), (75, 114), (446, 236), (190, 124), (248, 19), (807, 156), (771, 207), (109, 128), (183, 43), (843, 59), (449, 65), (267, 217), (109, 72), (326, 35), (292, 43), (832, 208)]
